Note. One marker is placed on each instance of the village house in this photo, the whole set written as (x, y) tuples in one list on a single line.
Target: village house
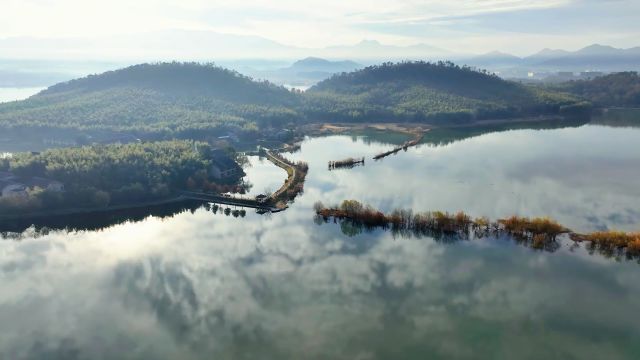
[(45, 184), (223, 166), (11, 185), (10, 188), (230, 137)]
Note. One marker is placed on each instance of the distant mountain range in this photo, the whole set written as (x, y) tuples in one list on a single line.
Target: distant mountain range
[(266, 59), (371, 49), (593, 57), (201, 45), (314, 64), (306, 72)]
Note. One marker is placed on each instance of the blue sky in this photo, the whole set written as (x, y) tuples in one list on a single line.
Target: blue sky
[(516, 26)]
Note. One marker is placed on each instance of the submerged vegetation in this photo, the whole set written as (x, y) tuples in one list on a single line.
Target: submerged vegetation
[(612, 242), (345, 163), (537, 233)]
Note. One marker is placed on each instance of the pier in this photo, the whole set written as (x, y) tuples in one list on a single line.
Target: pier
[(231, 201), (404, 146), (346, 163)]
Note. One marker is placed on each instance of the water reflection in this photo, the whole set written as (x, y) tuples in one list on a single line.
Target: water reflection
[(583, 177), (191, 284), (353, 228), (263, 176), (618, 118), (94, 221), (272, 289)]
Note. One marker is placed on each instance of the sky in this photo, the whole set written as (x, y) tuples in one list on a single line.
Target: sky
[(520, 27)]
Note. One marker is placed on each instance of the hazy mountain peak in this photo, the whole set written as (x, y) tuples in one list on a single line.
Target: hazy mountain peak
[(316, 64), (367, 42), (311, 60), (497, 53), (597, 49), (547, 52)]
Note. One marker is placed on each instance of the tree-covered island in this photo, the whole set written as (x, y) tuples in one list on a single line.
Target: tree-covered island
[(110, 175)]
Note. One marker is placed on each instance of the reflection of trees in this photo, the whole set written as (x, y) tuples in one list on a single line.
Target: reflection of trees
[(353, 228), (350, 229), (539, 233), (94, 221), (619, 118), (448, 135)]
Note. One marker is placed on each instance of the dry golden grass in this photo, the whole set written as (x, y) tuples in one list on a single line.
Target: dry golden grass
[(539, 232), (612, 240), (524, 226), (482, 222)]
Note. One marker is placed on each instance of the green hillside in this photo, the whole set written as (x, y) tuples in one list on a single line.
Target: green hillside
[(190, 100), (165, 99), (431, 92), (618, 89)]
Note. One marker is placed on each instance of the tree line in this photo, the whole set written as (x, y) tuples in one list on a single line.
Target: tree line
[(98, 176), (618, 89), (190, 100)]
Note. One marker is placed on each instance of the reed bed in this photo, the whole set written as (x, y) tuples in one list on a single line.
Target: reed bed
[(346, 163), (612, 242), (537, 232)]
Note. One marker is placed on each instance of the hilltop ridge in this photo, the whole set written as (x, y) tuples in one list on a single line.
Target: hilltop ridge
[(432, 92)]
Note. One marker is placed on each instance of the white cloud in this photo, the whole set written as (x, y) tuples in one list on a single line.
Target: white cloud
[(298, 22), (319, 23)]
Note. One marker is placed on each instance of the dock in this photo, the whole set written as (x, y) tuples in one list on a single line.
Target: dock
[(230, 200)]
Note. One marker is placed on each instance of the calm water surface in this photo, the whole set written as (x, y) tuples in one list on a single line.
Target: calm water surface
[(263, 176), (199, 285)]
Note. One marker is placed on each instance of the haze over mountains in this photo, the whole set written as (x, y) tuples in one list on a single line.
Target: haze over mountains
[(304, 73), (208, 45), (199, 45), (593, 57), (55, 60)]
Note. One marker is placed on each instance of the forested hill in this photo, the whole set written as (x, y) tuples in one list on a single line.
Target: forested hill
[(422, 91), (442, 76), (162, 100), (618, 89), (190, 100), (182, 79)]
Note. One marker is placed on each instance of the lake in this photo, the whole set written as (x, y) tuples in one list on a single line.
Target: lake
[(185, 282)]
